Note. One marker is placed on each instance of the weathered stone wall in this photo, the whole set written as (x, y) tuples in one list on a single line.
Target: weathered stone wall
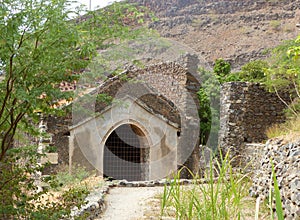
[(58, 129), (247, 110), (286, 161)]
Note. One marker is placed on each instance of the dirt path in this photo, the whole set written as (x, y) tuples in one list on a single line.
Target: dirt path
[(132, 203)]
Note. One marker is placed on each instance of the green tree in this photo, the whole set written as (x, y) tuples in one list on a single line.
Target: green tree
[(205, 115), (40, 47), (284, 73), (209, 110), (222, 69), (37, 51)]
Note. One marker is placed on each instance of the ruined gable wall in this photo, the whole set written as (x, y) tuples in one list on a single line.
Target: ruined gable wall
[(163, 83), (159, 86)]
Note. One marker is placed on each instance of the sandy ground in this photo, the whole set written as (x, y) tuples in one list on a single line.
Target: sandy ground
[(126, 203)]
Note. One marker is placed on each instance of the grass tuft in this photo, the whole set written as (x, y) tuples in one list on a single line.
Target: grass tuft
[(289, 128), (224, 197)]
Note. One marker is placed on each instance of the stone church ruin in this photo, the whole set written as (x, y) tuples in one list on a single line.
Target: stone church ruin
[(149, 126), (151, 131)]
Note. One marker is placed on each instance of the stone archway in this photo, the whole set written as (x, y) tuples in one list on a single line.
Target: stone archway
[(126, 154)]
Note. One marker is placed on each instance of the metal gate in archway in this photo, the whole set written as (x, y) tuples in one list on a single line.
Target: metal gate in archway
[(126, 154)]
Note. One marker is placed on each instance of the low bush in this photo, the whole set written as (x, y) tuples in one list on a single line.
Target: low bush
[(20, 197)]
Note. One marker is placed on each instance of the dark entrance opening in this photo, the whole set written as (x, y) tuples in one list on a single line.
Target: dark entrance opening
[(125, 154)]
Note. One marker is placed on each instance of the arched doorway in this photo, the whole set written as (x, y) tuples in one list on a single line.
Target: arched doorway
[(126, 154)]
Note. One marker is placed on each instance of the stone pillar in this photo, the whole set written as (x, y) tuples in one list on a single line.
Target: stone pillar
[(191, 125), (232, 111)]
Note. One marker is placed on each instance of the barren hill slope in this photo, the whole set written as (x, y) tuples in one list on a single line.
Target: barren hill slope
[(236, 30)]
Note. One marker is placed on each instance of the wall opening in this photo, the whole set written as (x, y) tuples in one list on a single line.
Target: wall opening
[(126, 154)]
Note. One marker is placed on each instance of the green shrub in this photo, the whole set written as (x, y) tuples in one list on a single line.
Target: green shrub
[(222, 68), (254, 71), (209, 112), (50, 149), (19, 197), (233, 77), (205, 115), (64, 178)]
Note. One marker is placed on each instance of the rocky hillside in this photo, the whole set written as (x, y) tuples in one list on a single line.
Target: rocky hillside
[(236, 30)]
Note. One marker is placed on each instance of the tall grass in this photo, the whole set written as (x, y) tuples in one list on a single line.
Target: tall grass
[(291, 126), (219, 198), (276, 194)]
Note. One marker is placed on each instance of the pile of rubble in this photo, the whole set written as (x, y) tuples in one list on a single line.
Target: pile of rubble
[(286, 160)]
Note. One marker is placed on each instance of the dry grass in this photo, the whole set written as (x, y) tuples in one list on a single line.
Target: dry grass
[(289, 130), (90, 183)]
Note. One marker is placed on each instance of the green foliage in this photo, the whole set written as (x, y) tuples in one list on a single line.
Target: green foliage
[(218, 198), (222, 68), (104, 98), (64, 178), (254, 71), (75, 196), (205, 116), (41, 47), (209, 111), (284, 69), (209, 99), (37, 51), (14, 182), (284, 72), (232, 77), (50, 149), (18, 196)]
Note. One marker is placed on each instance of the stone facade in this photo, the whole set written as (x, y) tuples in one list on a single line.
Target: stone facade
[(247, 110)]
